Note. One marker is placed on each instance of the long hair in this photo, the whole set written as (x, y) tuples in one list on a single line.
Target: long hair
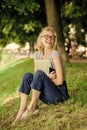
[(40, 46)]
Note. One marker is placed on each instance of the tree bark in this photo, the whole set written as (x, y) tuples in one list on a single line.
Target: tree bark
[(54, 20)]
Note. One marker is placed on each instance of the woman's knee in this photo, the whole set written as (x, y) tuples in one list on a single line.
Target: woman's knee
[(39, 72), (27, 76)]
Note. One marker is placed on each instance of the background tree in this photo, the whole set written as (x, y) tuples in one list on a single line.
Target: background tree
[(74, 12), (19, 21), (54, 20)]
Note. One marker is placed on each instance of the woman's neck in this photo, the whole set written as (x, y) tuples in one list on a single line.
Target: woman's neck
[(47, 53)]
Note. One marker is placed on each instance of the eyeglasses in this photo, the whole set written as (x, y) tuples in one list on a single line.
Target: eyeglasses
[(47, 37)]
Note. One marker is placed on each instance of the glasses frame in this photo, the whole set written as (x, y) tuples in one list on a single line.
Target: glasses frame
[(46, 36)]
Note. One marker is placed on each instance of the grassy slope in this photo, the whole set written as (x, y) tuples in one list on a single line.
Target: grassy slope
[(10, 78), (70, 115)]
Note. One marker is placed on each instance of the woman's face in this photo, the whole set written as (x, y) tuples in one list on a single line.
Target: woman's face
[(48, 39)]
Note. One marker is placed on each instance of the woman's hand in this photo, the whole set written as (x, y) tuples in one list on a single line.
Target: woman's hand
[(52, 75)]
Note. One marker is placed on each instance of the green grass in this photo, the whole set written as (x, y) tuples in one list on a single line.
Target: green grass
[(70, 115), (6, 57), (11, 76)]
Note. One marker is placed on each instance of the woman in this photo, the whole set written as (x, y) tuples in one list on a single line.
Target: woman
[(50, 88)]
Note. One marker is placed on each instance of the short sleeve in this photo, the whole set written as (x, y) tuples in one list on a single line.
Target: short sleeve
[(37, 55), (58, 54), (55, 54)]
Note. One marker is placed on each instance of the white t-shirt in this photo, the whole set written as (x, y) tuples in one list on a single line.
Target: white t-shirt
[(39, 55)]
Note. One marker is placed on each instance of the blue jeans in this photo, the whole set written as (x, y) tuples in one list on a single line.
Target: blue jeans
[(50, 93)]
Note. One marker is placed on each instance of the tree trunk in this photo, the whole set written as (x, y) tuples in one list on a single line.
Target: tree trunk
[(54, 20)]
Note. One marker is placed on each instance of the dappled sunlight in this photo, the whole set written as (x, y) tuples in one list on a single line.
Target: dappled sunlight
[(71, 114), (7, 98), (65, 116)]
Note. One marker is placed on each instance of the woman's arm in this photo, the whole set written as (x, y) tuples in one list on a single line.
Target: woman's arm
[(59, 71)]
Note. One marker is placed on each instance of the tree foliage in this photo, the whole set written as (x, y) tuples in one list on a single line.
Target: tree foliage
[(75, 12), (19, 20)]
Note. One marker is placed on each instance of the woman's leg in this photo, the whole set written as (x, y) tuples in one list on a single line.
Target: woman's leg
[(34, 100), (49, 91), (31, 108), (43, 88), (37, 89), (23, 105), (24, 90)]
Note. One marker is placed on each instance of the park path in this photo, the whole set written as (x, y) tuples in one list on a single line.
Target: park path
[(78, 60)]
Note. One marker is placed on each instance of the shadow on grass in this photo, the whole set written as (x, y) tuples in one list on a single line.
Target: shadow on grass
[(64, 116)]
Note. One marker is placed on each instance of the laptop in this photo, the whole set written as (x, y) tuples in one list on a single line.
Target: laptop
[(43, 65)]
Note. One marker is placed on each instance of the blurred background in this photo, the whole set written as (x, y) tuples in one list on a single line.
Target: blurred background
[(21, 21)]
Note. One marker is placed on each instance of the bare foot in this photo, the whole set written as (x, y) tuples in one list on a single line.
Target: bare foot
[(18, 117), (28, 113), (25, 114)]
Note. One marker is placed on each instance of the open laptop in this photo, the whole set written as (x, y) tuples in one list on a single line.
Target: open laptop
[(43, 65)]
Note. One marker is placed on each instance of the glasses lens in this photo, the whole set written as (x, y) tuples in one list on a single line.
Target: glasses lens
[(47, 37)]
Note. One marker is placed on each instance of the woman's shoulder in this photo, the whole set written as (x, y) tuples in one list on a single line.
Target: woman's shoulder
[(55, 53), (37, 54)]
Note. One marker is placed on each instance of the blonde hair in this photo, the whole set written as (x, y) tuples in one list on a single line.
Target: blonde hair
[(40, 46)]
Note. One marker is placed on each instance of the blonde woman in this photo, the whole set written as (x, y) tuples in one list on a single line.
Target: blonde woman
[(50, 88)]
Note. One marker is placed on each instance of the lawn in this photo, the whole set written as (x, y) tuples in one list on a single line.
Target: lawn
[(70, 115)]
